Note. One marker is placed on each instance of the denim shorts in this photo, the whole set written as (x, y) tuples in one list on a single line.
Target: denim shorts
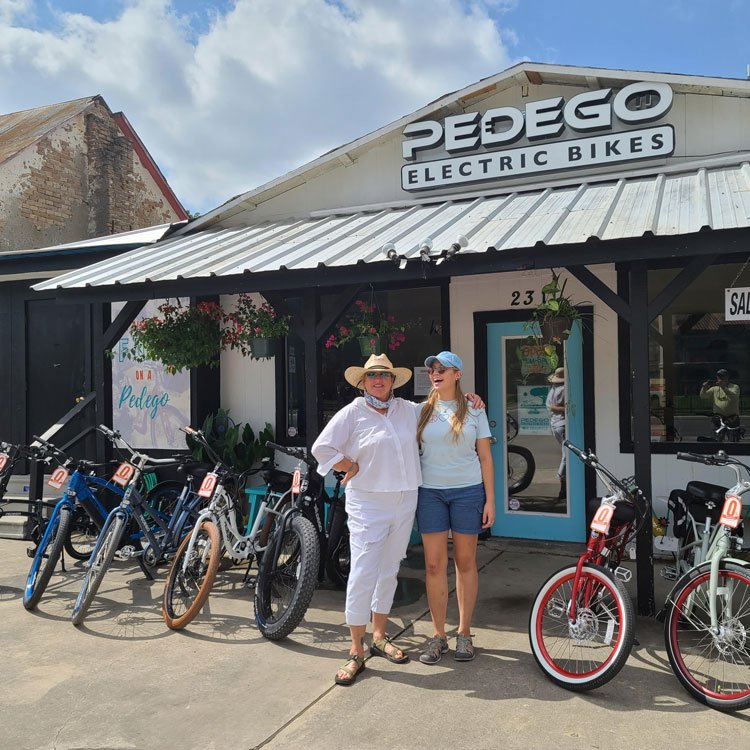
[(457, 509)]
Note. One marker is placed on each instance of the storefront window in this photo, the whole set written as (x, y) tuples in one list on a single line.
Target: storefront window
[(419, 309), (699, 364)]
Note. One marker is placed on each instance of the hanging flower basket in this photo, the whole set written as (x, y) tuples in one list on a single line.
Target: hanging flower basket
[(555, 329), (263, 347), (373, 330), (369, 345), (180, 337), (256, 329)]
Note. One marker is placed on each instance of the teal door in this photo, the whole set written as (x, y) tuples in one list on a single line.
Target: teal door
[(534, 505)]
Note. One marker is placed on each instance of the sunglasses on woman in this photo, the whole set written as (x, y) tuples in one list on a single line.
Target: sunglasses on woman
[(373, 375), (438, 370)]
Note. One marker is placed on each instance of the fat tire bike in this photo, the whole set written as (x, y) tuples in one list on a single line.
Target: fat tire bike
[(582, 624), (521, 464), (303, 540), (707, 613)]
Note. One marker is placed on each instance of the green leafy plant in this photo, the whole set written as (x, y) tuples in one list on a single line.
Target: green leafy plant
[(181, 337), (552, 319), (367, 321), (236, 444)]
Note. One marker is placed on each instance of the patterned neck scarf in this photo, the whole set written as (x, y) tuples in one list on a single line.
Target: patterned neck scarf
[(376, 402)]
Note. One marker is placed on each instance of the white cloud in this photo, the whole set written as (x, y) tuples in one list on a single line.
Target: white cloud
[(265, 87)]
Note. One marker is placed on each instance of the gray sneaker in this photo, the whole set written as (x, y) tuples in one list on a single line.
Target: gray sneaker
[(434, 649), (464, 648)]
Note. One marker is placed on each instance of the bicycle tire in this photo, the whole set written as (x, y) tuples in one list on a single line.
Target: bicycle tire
[(521, 473), (81, 537), (97, 569), (338, 557), (185, 592), (295, 572), (578, 656), (45, 560), (714, 670)]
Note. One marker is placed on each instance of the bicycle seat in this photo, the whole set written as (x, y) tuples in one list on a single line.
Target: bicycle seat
[(703, 491), (277, 480), (194, 469)]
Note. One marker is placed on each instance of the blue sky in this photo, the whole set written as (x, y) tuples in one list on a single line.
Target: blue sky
[(228, 94)]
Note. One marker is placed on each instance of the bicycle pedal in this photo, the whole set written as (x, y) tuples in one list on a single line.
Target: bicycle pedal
[(250, 582), (623, 574), (668, 574), (125, 553), (31, 552)]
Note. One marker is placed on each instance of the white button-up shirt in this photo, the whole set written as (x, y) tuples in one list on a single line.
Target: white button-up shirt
[(384, 445)]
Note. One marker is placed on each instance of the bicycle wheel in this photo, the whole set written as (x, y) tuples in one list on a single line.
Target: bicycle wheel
[(190, 578), (45, 560), (97, 567), (81, 538), (713, 667), (338, 560), (521, 468), (287, 578), (589, 652)]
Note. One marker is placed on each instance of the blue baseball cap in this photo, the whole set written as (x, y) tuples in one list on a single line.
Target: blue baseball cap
[(446, 359)]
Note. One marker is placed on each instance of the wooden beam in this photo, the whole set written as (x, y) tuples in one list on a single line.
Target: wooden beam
[(641, 425), (116, 330), (601, 290), (311, 365), (534, 77), (336, 308), (679, 284)]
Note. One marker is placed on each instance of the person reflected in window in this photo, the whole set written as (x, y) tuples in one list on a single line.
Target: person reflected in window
[(725, 402), (556, 409)]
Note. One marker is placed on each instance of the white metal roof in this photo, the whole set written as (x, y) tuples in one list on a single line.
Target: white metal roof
[(665, 204)]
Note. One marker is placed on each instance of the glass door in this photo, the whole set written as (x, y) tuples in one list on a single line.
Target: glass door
[(532, 499)]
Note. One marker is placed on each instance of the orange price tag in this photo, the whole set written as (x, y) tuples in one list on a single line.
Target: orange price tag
[(296, 482), (602, 518), (59, 478), (124, 474), (731, 512), (3, 460), (208, 485)]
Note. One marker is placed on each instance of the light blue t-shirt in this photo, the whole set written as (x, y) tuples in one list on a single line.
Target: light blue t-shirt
[(447, 462)]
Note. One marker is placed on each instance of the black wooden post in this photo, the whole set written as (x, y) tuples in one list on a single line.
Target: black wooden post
[(641, 426), (312, 364)]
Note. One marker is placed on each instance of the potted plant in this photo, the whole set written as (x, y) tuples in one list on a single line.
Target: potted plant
[(373, 330), (257, 328), (180, 337), (236, 444)]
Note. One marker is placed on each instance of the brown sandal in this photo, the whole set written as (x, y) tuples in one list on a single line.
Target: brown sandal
[(358, 663)]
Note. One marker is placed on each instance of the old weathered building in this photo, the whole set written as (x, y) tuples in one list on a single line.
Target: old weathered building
[(75, 170)]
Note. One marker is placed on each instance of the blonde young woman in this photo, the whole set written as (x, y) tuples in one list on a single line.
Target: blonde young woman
[(457, 494)]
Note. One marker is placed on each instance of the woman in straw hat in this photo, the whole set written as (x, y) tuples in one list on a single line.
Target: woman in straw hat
[(373, 440), (457, 496), (556, 408)]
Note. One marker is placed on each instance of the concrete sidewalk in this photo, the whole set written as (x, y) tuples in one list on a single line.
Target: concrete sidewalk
[(126, 682)]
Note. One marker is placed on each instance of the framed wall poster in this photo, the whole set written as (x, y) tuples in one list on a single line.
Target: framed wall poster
[(148, 404), (533, 417), (422, 384)]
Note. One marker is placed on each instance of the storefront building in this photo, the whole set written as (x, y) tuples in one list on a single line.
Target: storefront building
[(633, 187)]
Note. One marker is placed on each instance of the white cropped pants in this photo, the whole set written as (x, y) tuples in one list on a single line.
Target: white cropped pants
[(380, 524)]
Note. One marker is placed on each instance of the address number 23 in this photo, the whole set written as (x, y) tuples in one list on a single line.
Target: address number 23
[(524, 298)]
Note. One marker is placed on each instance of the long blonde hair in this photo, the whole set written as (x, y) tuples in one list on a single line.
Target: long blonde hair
[(457, 419)]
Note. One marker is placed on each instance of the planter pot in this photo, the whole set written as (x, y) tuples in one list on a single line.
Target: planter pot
[(555, 329), (369, 345), (263, 348)]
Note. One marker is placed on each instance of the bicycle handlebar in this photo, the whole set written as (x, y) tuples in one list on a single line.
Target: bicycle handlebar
[(590, 459), (114, 436), (297, 453)]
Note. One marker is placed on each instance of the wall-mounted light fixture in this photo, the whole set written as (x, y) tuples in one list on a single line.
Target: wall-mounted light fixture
[(424, 249), (389, 250), (460, 242)]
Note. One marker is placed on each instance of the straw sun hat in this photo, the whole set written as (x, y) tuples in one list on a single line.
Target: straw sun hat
[(558, 376), (380, 362)]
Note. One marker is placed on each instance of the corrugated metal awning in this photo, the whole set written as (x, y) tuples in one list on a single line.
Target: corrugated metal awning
[(665, 204)]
